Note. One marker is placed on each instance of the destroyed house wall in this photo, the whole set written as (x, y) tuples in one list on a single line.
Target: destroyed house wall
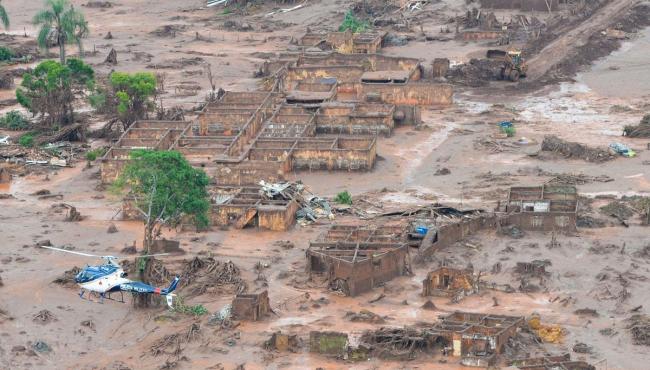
[(448, 234), (447, 281), (355, 119), (158, 135), (252, 307), (523, 5)]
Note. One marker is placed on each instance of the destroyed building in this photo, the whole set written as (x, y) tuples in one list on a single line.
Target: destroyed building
[(251, 307), (449, 282), (356, 259), (477, 338), (542, 208)]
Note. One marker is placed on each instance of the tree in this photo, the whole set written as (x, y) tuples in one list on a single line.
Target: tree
[(50, 89), (4, 18), (60, 22), (133, 95), (165, 189)]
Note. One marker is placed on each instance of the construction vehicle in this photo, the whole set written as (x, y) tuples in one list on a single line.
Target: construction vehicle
[(513, 66)]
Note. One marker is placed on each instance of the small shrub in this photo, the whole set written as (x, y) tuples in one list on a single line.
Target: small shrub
[(509, 131), (196, 310), (343, 197), (97, 100), (91, 155), (352, 23), (5, 53), (14, 120), (26, 140)]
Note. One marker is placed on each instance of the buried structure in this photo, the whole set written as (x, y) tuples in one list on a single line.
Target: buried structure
[(476, 339)]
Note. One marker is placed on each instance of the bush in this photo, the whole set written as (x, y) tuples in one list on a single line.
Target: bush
[(91, 155), (509, 131), (26, 140), (97, 100), (343, 198), (5, 53), (14, 120), (196, 310), (350, 22)]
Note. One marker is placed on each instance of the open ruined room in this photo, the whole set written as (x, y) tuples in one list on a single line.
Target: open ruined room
[(354, 260), (449, 282)]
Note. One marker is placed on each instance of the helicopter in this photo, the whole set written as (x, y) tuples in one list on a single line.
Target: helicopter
[(110, 277)]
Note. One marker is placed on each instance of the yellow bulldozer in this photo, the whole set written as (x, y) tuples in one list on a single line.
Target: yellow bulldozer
[(514, 66)]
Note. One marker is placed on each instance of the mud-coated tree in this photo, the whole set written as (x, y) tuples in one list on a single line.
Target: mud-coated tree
[(60, 24), (165, 189)]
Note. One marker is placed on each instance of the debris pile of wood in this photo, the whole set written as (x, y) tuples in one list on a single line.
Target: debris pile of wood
[(639, 327), (494, 145), (206, 274), (395, 343), (67, 279), (569, 149), (640, 130), (577, 179)]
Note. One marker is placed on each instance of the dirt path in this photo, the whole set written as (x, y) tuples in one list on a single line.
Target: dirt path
[(556, 51)]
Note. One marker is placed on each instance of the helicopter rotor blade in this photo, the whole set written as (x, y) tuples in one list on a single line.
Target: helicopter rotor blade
[(72, 252)]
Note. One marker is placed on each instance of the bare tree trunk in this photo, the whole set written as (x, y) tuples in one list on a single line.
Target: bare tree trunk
[(61, 48), (144, 300)]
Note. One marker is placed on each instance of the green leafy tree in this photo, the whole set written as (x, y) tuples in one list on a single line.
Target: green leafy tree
[(133, 95), (60, 24), (165, 189), (50, 89), (4, 17)]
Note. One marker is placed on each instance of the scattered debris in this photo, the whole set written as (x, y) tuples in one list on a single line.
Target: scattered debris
[(44, 317), (365, 316)]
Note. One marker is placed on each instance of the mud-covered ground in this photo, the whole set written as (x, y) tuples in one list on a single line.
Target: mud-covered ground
[(604, 269)]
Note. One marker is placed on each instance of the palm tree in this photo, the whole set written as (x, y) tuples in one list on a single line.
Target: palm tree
[(4, 18), (61, 22)]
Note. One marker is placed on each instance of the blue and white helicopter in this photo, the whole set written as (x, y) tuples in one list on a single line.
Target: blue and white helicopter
[(110, 278)]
